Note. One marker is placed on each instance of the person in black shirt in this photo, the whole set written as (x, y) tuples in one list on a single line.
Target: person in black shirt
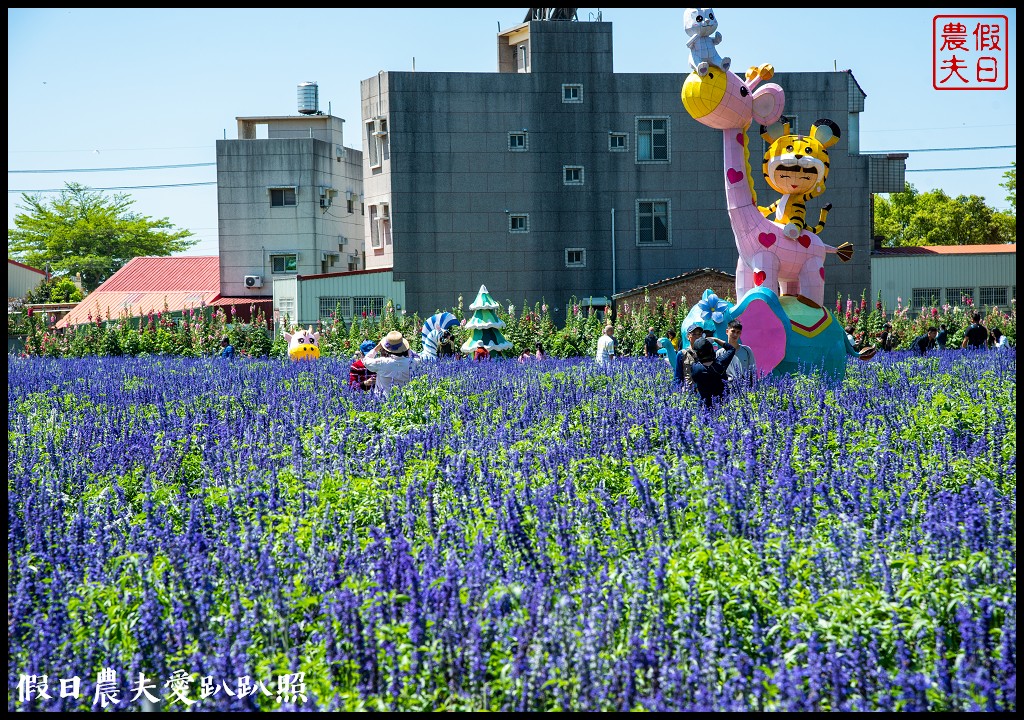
[(942, 338), (885, 339), (651, 344), (923, 343), (976, 335), (709, 372), (446, 348)]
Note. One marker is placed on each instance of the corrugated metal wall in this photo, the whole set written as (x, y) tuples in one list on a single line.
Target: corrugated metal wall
[(332, 288), (897, 277), (20, 280)]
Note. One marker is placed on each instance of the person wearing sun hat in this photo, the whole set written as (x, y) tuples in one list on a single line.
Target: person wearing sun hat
[(359, 378), (390, 360), (686, 357)]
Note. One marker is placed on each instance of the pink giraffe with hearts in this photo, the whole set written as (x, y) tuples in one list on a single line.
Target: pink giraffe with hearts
[(724, 101)]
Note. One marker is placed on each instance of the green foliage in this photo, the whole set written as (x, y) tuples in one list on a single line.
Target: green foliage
[(83, 231), (197, 334), (1010, 184), (54, 290), (868, 321), (912, 218)]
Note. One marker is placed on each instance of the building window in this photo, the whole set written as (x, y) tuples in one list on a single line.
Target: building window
[(351, 205), (959, 295), (335, 307), (652, 139), (380, 225), (283, 263), (517, 141), (990, 296), (617, 142), (376, 140), (519, 223), (925, 297), (572, 174), (652, 222), (366, 306), (282, 197), (572, 93), (286, 306), (575, 257)]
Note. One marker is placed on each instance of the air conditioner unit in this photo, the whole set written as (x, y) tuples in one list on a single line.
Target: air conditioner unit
[(385, 211), (380, 126), (253, 281)]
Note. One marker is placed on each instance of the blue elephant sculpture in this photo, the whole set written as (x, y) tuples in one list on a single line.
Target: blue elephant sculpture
[(788, 334)]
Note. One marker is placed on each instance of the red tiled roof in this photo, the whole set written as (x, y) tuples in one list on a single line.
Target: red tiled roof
[(947, 250), (151, 284), (23, 265), (224, 301), (112, 305), (169, 274)]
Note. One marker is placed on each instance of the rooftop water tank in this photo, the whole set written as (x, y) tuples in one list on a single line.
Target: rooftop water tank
[(309, 100)]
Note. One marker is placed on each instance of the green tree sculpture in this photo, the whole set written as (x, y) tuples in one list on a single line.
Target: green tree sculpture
[(485, 325)]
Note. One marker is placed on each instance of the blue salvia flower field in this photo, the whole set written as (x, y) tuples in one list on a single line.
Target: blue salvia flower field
[(543, 536)]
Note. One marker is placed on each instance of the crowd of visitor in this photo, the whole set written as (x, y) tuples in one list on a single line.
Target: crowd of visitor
[(709, 366)]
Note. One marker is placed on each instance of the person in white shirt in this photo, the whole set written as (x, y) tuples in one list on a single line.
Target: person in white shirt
[(605, 346), (391, 361), (743, 363)]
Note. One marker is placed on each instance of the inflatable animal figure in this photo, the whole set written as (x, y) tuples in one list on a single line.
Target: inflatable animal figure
[(797, 167), (303, 344), (668, 351), (787, 335), (433, 327), (726, 102), (701, 27)]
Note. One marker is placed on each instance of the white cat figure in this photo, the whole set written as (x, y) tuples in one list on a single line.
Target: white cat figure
[(702, 29)]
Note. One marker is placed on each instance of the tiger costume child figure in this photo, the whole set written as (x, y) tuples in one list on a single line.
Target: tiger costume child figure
[(797, 167)]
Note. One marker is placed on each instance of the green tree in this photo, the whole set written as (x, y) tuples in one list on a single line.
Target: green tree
[(55, 290), (1010, 184), (933, 218), (83, 231)]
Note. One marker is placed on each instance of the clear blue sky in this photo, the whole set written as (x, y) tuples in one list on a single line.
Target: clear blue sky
[(98, 88)]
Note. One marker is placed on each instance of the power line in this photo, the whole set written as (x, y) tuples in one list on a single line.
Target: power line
[(211, 164), (97, 150), (989, 147), (987, 167), (124, 187), (116, 169)]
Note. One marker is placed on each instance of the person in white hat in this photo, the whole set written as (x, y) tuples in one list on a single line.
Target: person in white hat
[(390, 359)]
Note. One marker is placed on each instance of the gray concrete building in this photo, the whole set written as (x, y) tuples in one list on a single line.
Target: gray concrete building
[(288, 200), (557, 177)]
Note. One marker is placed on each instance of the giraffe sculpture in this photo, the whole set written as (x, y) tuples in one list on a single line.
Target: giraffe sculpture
[(767, 257)]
